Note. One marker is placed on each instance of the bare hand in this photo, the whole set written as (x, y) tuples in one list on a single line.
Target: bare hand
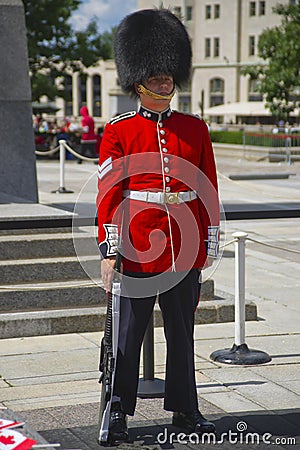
[(107, 272), (209, 262)]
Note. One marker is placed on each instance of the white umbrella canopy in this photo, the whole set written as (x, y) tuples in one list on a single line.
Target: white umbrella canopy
[(238, 109)]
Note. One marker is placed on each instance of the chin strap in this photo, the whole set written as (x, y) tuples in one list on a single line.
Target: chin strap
[(145, 91)]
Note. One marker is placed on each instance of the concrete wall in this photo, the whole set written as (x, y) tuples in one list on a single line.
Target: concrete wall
[(17, 158)]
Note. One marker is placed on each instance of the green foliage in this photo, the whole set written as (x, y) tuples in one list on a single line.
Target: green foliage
[(55, 49), (42, 84), (227, 137), (280, 48)]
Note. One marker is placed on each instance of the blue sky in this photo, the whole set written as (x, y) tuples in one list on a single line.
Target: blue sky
[(107, 12)]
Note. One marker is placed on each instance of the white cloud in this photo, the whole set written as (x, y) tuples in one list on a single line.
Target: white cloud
[(108, 13)]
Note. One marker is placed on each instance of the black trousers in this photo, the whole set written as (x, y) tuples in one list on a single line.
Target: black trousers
[(178, 296), (88, 149)]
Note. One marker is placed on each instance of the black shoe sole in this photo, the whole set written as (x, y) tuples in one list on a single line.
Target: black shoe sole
[(115, 440), (118, 438), (197, 429), (206, 429)]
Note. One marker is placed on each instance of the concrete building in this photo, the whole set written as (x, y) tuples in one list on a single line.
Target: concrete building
[(224, 35), (98, 89)]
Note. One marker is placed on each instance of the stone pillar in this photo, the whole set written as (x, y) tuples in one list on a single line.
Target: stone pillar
[(17, 167), (75, 94)]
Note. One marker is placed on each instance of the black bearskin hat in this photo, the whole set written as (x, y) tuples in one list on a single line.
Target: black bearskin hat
[(150, 42)]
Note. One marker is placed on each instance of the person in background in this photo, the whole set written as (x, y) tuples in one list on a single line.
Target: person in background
[(36, 123), (88, 137)]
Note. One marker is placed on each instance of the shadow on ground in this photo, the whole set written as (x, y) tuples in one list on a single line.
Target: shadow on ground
[(255, 429)]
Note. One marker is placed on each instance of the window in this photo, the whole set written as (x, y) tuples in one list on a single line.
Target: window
[(262, 8), (216, 47), (189, 13), (253, 94), (68, 91), (177, 12), (217, 11), (82, 90), (207, 11), (207, 47), (97, 96), (184, 103), (216, 88), (251, 45), (252, 9)]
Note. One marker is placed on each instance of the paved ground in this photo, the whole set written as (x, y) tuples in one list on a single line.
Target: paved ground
[(51, 381)]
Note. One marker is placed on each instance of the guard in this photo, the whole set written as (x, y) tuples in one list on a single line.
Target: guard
[(158, 192)]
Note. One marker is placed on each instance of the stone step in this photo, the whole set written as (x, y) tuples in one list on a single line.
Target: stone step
[(48, 269), (92, 319), (47, 245), (50, 284), (70, 294)]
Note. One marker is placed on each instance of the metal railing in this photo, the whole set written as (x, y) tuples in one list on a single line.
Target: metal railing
[(62, 147), (274, 147), (239, 352)]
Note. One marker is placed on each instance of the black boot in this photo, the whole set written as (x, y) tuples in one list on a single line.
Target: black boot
[(118, 431), (193, 422)]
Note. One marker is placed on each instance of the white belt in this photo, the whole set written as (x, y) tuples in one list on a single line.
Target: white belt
[(161, 197)]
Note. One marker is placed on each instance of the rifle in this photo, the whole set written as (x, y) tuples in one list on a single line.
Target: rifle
[(108, 354)]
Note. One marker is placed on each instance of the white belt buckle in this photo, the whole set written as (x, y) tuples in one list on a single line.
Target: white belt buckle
[(171, 198)]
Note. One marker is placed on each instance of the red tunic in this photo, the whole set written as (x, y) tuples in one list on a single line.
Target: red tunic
[(167, 152)]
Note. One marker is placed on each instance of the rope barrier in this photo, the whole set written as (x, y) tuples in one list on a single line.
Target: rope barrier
[(274, 246), (227, 243), (262, 243), (70, 149), (48, 152), (78, 155)]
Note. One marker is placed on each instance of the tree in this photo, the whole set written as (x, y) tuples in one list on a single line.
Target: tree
[(55, 49), (279, 46)]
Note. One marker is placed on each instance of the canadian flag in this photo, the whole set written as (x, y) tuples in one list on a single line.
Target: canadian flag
[(4, 423), (13, 440)]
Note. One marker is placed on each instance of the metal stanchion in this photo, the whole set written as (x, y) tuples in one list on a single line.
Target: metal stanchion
[(62, 158), (239, 352), (150, 387), (244, 145)]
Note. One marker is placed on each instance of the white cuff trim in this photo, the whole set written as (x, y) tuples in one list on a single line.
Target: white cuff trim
[(109, 246), (213, 242)]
